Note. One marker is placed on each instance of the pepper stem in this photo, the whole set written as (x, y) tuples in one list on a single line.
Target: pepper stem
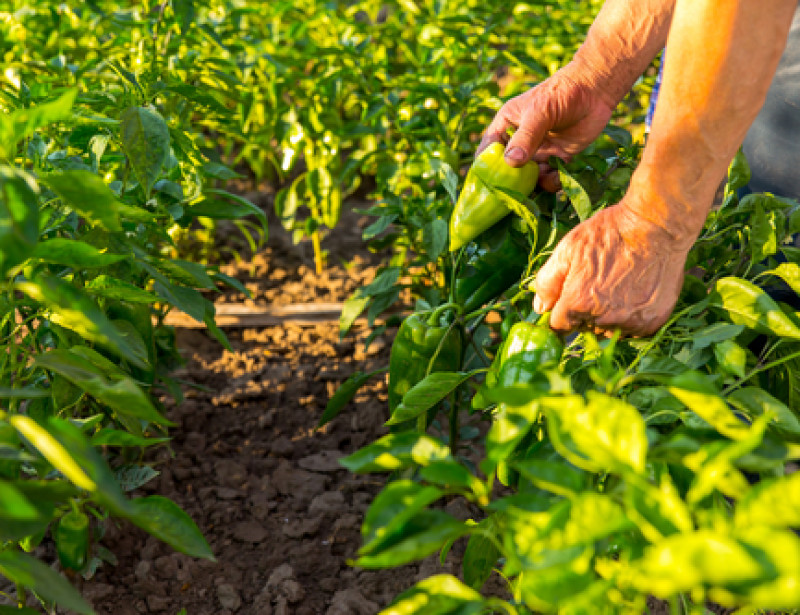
[(433, 319), (544, 320)]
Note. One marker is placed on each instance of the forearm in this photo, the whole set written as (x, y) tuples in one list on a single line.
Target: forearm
[(722, 56), (622, 42)]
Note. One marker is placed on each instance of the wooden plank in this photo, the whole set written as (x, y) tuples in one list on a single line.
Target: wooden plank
[(234, 315)]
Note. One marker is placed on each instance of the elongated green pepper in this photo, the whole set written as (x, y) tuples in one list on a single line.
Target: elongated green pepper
[(515, 377), (422, 346), (498, 262), (72, 540), (478, 207)]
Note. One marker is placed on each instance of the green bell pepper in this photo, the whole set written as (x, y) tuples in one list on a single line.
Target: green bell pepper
[(72, 540), (422, 346), (494, 267), (479, 207), (516, 376)]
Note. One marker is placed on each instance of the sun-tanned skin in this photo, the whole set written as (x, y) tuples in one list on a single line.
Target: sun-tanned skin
[(623, 268)]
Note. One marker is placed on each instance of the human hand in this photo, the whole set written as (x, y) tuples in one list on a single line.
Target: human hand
[(559, 117), (615, 270)]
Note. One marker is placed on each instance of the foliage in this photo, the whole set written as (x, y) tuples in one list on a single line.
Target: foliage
[(101, 156), (628, 468)]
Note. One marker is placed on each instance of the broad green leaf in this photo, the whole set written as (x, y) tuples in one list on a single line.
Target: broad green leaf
[(131, 477), (165, 520), (481, 555), (117, 437), (437, 595), (23, 393), (19, 217), (605, 434), (780, 551), (396, 451), (789, 273), (146, 141), (763, 234), (426, 394), (575, 193), (686, 561), (658, 510), (452, 475), (715, 333), (773, 503), (103, 380), (22, 123), (88, 195), (731, 357), (434, 238), (738, 172), (509, 425), (755, 402), (694, 390), (46, 582), (554, 476), (184, 272), (352, 308), (112, 288), (74, 253), (226, 205), (545, 590), (750, 306), (422, 535), (377, 227), (399, 501), (345, 393)]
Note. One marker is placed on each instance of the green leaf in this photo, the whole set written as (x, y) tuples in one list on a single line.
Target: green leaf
[(763, 234), (423, 534), (715, 333), (146, 141), (756, 402), (684, 562), (227, 206), (391, 509), (23, 123), (750, 306), (450, 182), (351, 310), (698, 394), (773, 503), (74, 253), (605, 434), (19, 217), (345, 393), (437, 595), (481, 555), (165, 520), (426, 394), (46, 582), (658, 511), (789, 273), (554, 476), (395, 452), (434, 238), (509, 425), (117, 437), (575, 193), (131, 477), (738, 172), (74, 310), (103, 380), (731, 357), (377, 227), (112, 288)]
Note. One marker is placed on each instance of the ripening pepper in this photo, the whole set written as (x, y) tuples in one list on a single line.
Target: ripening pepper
[(515, 376), (414, 352), (72, 540), (478, 207), (495, 266)]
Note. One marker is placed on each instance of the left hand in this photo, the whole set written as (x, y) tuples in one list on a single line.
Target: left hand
[(615, 270)]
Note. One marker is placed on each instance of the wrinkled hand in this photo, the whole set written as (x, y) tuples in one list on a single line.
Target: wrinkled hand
[(559, 117), (613, 271)]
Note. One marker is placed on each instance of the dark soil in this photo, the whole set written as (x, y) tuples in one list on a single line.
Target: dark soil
[(247, 464)]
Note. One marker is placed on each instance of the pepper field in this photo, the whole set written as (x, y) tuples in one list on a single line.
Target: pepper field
[(242, 371)]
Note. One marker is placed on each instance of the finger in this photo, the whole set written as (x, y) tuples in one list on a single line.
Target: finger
[(527, 138), (497, 132), (550, 281), (562, 319), (549, 180)]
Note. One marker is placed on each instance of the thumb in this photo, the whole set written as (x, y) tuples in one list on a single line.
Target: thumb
[(550, 281), (527, 139)]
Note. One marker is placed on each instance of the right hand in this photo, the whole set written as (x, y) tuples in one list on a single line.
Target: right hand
[(559, 117)]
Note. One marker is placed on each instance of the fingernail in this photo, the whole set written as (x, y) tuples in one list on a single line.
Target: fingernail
[(516, 154), (537, 305)]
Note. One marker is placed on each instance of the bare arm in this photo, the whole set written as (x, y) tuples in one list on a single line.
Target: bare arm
[(624, 267)]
